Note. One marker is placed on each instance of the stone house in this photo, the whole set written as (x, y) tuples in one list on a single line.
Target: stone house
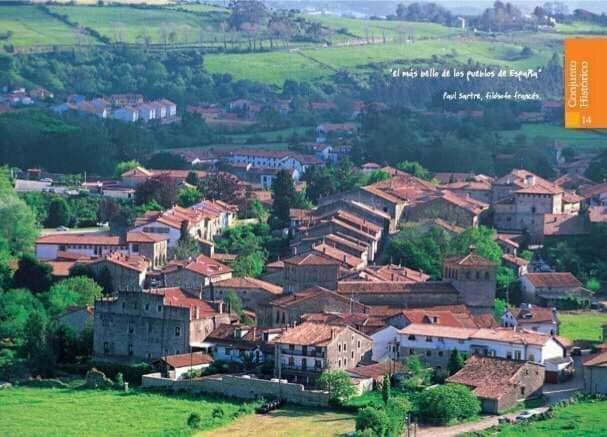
[(302, 353), (595, 373), (532, 318), (308, 270), (177, 366), (474, 277), (477, 190), (77, 318), (194, 274), (127, 272), (147, 325), (449, 206), (547, 288), (500, 384), (286, 310), (152, 246), (251, 291), (235, 342)]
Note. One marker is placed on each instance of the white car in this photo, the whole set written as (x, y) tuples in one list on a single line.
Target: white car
[(525, 415), (62, 228)]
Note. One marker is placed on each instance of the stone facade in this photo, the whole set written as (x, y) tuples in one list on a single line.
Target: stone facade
[(143, 326), (252, 292), (300, 273)]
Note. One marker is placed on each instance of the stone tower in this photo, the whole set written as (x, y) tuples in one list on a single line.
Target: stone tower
[(475, 279)]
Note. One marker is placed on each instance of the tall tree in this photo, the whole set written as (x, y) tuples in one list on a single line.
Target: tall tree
[(58, 213), (33, 274), (284, 196)]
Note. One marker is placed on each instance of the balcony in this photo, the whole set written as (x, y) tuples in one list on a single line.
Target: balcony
[(301, 353), (299, 369)]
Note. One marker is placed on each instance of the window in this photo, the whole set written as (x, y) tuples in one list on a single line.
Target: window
[(440, 353), (339, 348), (291, 361), (428, 353), (352, 354), (124, 305), (359, 344), (147, 307), (411, 337), (130, 349), (291, 347), (345, 347), (345, 362), (106, 347), (131, 328), (318, 364), (487, 276), (509, 355), (177, 331), (304, 364), (517, 355), (277, 317), (429, 339), (135, 248), (339, 363), (411, 351), (522, 391), (531, 357), (159, 308)]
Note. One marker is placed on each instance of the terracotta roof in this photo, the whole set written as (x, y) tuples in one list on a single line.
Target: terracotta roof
[(310, 259), (202, 265), (449, 227), (443, 317), (553, 279), (358, 222), (131, 262), (565, 224), (588, 191), (95, 239), (338, 255), (333, 239), (247, 282), (376, 370), (174, 217), (511, 336), (300, 296), (391, 287), (438, 331), (468, 203), (488, 377), (187, 360), (533, 314), (144, 237), (471, 259), (178, 298), (596, 360), (61, 269), (313, 334), (528, 183), (515, 260), (468, 185), (389, 272), (597, 214), (236, 335)]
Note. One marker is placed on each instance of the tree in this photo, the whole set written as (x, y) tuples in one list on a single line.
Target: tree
[(415, 169), (283, 193), (15, 308), (58, 213), (249, 265), (385, 390), (220, 186), (251, 12), (161, 189), (124, 166), (232, 302), (32, 274), (17, 221), (370, 418), (76, 291), (456, 362), (338, 383), (192, 179), (167, 161), (500, 308), (482, 239), (35, 334), (446, 403), (258, 211), (104, 279), (188, 196)]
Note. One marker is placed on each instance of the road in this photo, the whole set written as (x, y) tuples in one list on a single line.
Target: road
[(452, 431)]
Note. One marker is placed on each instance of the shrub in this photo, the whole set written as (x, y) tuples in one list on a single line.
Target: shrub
[(372, 419), (194, 420), (218, 413), (119, 380), (447, 403), (132, 373)]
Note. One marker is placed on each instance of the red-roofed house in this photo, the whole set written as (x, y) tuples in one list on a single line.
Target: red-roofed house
[(194, 274), (532, 318), (147, 325), (498, 383), (178, 366), (546, 288), (251, 291), (128, 272), (595, 373)]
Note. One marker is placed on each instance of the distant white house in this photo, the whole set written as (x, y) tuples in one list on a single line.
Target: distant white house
[(126, 114)]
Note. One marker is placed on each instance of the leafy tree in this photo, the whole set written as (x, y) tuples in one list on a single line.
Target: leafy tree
[(446, 403), (17, 221), (418, 250), (249, 265), (79, 269), (104, 279), (338, 383), (456, 361), (377, 176), (420, 375), (187, 248), (167, 161), (188, 196), (232, 302), (58, 213), (593, 285), (415, 169), (35, 334), (194, 420), (33, 274), (6, 272), (124, 166), (283, 193), (500, 308), (385, 390), (373, 419), (258, 211), (15, 308), (220, 186), (161, 189), (76, 291), (193, 179), (483, 241)]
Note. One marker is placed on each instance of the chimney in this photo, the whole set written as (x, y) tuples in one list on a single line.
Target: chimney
[(197, 312), (332, 333), (471, 248)]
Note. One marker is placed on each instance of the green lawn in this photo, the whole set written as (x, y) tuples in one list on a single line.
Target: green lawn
[(578, 138), (32, 27), (580, 27), (316, 63), (582, 419), (127, 24), (66, 412), (583, 326), (289, 421)]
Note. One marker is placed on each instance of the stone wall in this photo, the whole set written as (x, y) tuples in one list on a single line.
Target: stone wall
[(242, 387)]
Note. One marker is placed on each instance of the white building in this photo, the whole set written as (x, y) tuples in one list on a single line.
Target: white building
[(126, 114), (532, 318)]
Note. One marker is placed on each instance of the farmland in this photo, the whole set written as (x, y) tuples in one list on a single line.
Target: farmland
[(68, 412), (582, 419), (578, 138), (291, 421), (29, 26), (582, 326)]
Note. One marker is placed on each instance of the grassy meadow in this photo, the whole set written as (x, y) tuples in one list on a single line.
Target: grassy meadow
[(579, 138), (582, 326), (29, 26), (71, 412), (582, 419)]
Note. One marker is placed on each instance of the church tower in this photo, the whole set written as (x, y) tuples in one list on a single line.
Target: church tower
[(475, 279)]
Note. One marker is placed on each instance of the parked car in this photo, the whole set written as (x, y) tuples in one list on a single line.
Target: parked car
[(525, 415), (62, 228)]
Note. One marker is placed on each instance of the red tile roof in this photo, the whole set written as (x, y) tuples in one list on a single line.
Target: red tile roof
[(313, 334), (249, 283), (338, 255), (61, 269), (554, 279), (376, 370), (533, 314), (489, 377), (471, 259), (144, 237), (390, 287), (202, 265), (131, 262), (187, 360), (178, 298), (94, 239), (596, 360), (310, 259)]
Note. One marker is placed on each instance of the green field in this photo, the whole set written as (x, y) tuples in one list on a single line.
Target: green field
[(581, 419), (311, 64), (289, 421), (377, 29), (583, 326), (127, 24), (32, 27), (578, 138), (72, 412), (580, 27)]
